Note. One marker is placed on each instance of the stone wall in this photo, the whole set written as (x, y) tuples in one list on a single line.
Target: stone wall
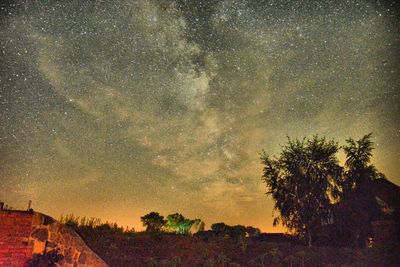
[(31, 237)]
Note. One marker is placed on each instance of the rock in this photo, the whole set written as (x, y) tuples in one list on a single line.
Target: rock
[(82, 258), (68, 256), (40, 234)]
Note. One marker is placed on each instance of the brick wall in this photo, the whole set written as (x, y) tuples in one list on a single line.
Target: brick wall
[(33, 236), (15, 229), (66, 246)]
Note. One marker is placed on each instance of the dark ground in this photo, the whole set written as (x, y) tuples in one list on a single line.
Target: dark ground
[(141, 249)]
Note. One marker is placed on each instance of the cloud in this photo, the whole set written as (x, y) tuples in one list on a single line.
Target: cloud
[(170, 104)]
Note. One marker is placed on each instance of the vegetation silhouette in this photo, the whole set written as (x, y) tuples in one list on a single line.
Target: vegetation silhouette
[(237, 231), (129, 248), (94, 225), (312, 191), (299, 181), (181, 225), (153, 222), (357, 206), (252, 231)]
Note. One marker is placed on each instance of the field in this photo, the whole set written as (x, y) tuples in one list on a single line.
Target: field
[(120, 248)]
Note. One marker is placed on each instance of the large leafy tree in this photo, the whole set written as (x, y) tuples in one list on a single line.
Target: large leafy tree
[(153, 221), (300, 180), (358, 167), (357, 206)]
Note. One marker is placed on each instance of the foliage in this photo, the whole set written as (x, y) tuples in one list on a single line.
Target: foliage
[(181, 225), (6, 207), (252, 232), (358, 169), (76, 221), (357, 204), (79, 223), (311, 190), (205, 235), (151, 262), (237, 231), (153, 221), (166, 249), (175, 261), (299, 181), (220, 229)]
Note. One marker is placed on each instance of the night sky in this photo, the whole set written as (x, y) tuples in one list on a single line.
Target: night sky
[(114, 109)]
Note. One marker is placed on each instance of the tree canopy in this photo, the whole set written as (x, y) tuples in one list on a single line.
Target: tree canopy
[(180, 224), (310, 188), (176, 222), (153, 221), (357, 203), (237, 231), (299, 181), (358, 168)]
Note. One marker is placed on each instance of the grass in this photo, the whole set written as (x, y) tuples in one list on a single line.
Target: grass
[(93, 225), (125, 247)]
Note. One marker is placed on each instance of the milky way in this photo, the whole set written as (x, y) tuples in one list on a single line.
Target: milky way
[(114, 109)]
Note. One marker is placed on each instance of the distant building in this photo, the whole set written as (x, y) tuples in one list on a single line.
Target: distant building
[(387, 229), (381, 199)]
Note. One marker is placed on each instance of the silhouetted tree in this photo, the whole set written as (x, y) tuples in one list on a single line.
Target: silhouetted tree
[(153, 221), (237, 231), (357, 206), (300, 180), (358, 169), (201, 226), (252, 232), (220, 229)]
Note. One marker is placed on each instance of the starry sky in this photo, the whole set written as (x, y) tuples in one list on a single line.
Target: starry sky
[(113, 109)]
